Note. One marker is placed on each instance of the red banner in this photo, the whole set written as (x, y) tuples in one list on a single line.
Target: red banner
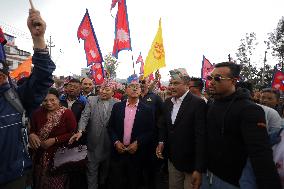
[(122, 34), (206, 69), (97, 73), (278, 80), (113, 3), (141, 61), (91, 46)]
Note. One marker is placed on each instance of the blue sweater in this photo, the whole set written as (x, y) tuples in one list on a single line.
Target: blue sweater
[(13, 158)]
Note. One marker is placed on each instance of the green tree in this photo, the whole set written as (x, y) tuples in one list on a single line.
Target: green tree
[(110, 64), (244, 57), (268, 76), (276, 42)]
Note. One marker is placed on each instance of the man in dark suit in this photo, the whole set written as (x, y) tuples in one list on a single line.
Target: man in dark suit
[(130, 128), (183, 133)]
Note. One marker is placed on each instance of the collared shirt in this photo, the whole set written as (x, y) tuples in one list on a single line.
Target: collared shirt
[(70, 103), (177, 103), (130, 112)]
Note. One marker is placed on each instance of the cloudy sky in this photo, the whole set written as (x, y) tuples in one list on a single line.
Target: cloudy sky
[(191, 29)]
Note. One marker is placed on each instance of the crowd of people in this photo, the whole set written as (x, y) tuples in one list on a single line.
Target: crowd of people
[(187, 137)]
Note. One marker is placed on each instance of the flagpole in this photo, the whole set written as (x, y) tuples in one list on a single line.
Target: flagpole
[(263, 71), (133, 63)]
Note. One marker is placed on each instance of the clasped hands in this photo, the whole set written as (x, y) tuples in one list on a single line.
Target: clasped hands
[(121, 148)]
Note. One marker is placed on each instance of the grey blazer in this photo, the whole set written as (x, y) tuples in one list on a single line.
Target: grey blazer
[(94, 121)]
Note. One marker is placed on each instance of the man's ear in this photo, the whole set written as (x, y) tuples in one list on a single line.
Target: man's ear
[(235, 80)]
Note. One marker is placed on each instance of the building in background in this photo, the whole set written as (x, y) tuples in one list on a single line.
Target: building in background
[(14, 55), (85, 72)]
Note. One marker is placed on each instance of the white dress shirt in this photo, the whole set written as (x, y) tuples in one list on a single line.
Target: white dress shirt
[(177, 103)]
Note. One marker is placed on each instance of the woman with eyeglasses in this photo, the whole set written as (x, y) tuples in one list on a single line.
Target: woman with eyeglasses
[(51, 126)]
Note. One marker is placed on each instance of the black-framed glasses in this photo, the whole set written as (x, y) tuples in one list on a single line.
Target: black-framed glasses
[(217, 78), (134, 86), (193, 86), (142, 81)]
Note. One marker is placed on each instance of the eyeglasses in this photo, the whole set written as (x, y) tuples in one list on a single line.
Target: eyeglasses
[(217, 78), (142, 81), (174, 83), (134, 86), (192, 86)]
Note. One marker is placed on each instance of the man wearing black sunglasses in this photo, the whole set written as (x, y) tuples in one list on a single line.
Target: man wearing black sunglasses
[(196, 86), (236, 130), (153, 165)]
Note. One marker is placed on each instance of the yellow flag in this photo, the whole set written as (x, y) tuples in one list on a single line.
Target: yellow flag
[(156, 55)]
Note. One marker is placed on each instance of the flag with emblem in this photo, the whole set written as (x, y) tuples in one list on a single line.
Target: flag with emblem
[(141, 61), (278, 80), (3, 41), (97, 73), (122, 39), (156, 56), (113, 3), (206, 69), (86, 32)]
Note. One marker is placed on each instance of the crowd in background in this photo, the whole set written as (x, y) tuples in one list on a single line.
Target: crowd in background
[(137, 134)]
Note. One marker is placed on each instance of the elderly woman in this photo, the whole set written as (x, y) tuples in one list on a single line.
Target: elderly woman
[(51, 126)]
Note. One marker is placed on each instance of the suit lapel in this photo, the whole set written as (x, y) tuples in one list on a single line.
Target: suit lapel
[(122, 112), (183, 106), (100, 110), (137, 115), (170, 106), (111, 103)]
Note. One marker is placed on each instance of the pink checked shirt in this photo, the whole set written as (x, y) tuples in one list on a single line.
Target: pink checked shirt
[(130, 112)]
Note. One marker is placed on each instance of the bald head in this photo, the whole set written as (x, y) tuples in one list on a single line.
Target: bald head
[(87, 86)]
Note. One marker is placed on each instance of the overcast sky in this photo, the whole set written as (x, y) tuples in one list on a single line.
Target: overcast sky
[(191, 29)]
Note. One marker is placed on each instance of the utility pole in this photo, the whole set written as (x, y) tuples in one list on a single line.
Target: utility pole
[(50, 44), (263, 71)]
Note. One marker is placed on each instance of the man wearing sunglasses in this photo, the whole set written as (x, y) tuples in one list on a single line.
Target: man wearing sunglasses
[(236, 131), (153, 165), (196, 86), (182, 136)]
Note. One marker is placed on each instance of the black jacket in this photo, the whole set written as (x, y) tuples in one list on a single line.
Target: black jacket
[(235, 131), (156, 103), (77, 107), (185, 139), (142, 130)]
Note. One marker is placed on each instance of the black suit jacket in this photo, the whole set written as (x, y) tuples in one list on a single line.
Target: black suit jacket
[(142, 130), (185, 139)]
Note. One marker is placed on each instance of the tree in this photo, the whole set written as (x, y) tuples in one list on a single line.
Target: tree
[(276, 41), (110, 64), (268, 76), (244, 57)]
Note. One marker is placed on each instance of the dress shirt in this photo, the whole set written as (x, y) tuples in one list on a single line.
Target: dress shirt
[(130, 112), (177, 103), (70, 103)]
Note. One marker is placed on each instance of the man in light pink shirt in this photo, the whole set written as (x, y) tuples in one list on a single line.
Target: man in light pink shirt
[(130, 128)]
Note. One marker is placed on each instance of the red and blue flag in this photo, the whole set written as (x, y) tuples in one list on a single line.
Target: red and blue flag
[(278, 80), (122, 33), (206, 69), (97, 73), (92, 49)]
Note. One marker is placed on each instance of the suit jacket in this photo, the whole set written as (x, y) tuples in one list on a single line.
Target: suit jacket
[(185, 139), (95, 121), (142, 130)]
